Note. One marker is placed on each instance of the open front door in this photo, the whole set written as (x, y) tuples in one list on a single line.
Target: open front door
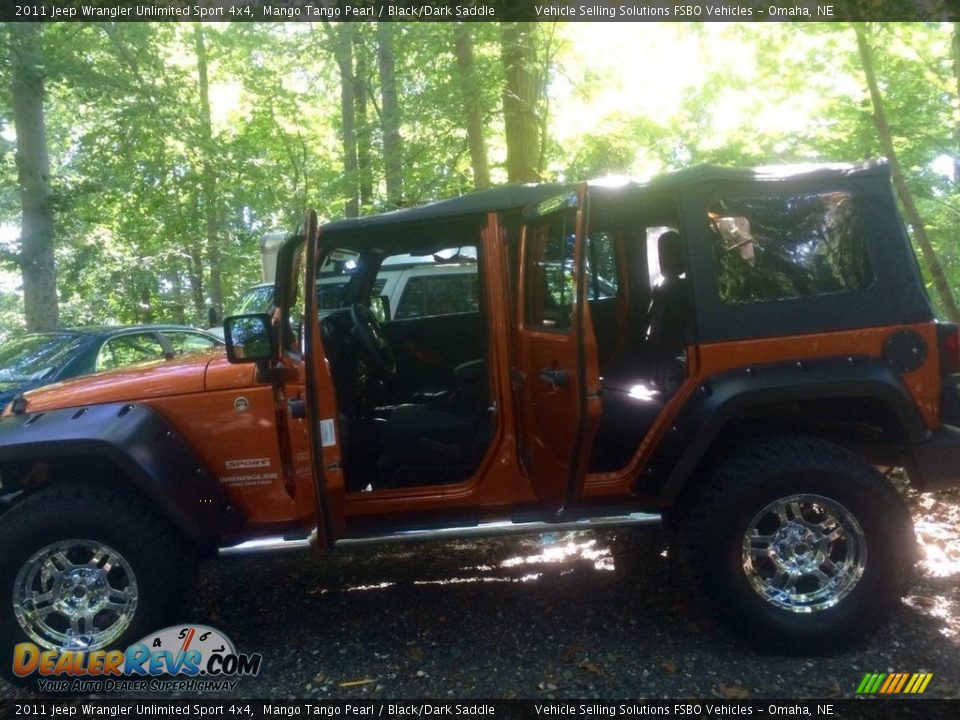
[(321, 400), (556, 375)]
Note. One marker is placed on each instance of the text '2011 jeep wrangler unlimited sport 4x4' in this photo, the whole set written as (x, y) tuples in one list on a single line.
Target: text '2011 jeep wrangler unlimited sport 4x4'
[(741, 352)]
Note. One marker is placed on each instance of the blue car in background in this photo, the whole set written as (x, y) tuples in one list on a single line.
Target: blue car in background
[(37, 359)]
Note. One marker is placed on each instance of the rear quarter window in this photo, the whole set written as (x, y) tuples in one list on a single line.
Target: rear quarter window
[(780, 247)]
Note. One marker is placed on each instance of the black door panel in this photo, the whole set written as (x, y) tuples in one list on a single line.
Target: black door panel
[(427, 349)]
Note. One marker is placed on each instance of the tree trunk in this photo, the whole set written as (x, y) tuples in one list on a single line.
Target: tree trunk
[(472, 105), (210, 200), (33, 173), (906, 197), (390, 115), (196, 280), (520, 100), (343, 54), (364, 140), (956, 118)]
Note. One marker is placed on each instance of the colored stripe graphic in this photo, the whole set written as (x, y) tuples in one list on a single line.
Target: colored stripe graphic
[(894, 683)]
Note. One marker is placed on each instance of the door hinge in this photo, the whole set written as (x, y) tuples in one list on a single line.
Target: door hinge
[(298, 408)]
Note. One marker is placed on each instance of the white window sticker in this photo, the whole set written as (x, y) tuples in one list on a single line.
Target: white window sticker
[(328, 434)]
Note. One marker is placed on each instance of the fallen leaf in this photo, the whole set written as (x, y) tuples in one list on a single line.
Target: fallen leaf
[(355, 683), (669, 666), (319, 678), (733, 692), (569, 653), (589, 667)]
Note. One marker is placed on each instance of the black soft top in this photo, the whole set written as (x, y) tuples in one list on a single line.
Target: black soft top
[(515, 197)]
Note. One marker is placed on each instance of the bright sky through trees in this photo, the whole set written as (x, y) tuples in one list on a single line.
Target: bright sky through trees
[(128, 153)]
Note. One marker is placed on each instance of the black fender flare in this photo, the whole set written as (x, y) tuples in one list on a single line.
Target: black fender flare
[(139, 443), (730, 395)]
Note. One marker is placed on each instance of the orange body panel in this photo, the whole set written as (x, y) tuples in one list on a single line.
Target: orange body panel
[(711, 359)]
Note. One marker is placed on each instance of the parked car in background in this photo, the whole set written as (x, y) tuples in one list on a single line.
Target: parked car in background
[(43, 358)]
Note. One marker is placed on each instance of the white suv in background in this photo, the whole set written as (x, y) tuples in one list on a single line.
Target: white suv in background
[(414, 288)]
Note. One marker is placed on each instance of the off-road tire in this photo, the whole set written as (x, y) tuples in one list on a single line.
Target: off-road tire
[(160, 559), (730, 498)]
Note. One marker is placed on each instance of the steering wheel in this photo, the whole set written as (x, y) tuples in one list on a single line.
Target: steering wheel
[(371, 338)]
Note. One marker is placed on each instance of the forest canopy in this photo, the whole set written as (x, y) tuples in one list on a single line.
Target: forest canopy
[(143, 161)]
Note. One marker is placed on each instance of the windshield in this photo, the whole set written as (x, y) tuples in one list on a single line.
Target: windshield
[(34, 357), (255, 300)]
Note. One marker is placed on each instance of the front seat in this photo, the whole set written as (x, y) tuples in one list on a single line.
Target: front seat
[(441, 440)]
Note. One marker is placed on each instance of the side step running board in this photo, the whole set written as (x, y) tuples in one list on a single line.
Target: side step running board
[(506, 527), (272, 543), (481, 530)]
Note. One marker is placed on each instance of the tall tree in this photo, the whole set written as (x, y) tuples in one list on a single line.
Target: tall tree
[(364, 129), (885, 135), (37, 264), (955, 50), (521, 97), (390, 115), (210, 200), (342, 40), (472, 105)]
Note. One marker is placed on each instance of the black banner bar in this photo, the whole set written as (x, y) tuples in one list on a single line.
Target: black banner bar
[(846, 709), (474, 10)]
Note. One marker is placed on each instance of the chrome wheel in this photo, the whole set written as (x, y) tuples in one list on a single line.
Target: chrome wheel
[(75, 595), (804, 553)]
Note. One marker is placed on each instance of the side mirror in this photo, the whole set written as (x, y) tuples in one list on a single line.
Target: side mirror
[(380, 307), (249, 338)]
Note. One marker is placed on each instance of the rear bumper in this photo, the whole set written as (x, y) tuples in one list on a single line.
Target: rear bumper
[(935, 464)]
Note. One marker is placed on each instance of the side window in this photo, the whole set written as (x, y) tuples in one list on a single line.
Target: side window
[(601, 265), (439, 294), (549, 273), (185, 343), (771, 248), (129, 349), (444, 282)]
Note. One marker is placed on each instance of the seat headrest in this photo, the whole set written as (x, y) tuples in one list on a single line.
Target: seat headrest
[(670, 250)]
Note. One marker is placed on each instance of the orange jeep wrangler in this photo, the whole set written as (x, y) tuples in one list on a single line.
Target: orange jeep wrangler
[(742, 354)]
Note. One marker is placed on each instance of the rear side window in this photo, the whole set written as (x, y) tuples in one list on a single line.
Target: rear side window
[(549, 273), (773, 248), (601, 266)]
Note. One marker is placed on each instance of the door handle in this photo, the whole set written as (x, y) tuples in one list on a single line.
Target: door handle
[(557, 378)]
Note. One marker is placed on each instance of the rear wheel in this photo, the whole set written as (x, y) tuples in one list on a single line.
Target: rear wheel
[(800, 544), (85, 568)]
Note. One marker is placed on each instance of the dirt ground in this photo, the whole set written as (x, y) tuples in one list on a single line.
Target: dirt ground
[(577, 615)]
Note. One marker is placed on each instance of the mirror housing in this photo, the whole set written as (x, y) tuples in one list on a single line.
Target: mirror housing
[(249, 338)]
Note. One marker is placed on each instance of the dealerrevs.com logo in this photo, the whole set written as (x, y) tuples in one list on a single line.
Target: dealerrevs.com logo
[(192, 658)]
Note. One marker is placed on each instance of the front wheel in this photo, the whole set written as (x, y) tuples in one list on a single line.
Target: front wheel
[(800, 544), (85, 568)]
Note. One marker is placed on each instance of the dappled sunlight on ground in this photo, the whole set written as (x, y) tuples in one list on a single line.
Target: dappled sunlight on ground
[(937, 590), (566, 552)]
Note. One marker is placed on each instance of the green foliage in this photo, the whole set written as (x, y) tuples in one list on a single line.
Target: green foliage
[(127, 148)]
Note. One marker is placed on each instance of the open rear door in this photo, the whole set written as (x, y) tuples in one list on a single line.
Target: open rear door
[(557, 378)]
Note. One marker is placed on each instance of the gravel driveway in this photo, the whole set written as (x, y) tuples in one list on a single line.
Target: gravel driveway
[(578, 615)]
